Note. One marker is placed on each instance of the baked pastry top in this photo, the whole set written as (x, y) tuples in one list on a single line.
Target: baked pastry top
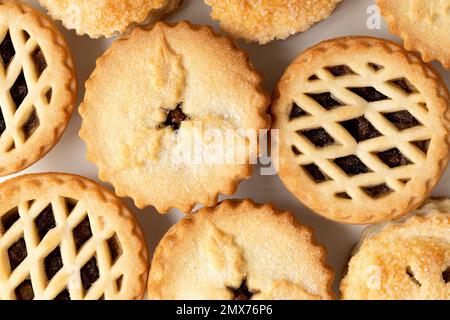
[(239, 250), (107, 18), (407, 259), (64, 237), (37, 75), (266, 20), (151, 107), (423, 26), (363, 129)]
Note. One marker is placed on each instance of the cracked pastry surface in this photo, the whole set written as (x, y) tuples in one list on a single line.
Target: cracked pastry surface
[(423, 26), (64, 237), (364, 129), (239, 250), (39, 86), (266, 20), (107, 18), (406, 259), (154, 101)]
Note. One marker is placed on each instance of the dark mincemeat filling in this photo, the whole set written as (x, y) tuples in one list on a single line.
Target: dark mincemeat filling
[(243, 292), (175, 117), (393, 158), (352, 165), (319, 137), (370, 94), (361, 129)]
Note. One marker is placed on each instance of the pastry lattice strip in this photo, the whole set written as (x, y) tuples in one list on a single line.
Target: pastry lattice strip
[(24, 77), (55, 277), (331, 101)]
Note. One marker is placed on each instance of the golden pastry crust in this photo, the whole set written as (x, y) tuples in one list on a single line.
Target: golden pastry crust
[(38, 69), (107, 18), (423, 26), (406, 259), (363, 129), (102, 252), (266, 20), (214, 251), (137, 86)]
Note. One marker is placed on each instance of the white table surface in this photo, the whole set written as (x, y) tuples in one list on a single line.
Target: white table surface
[(351, 18)]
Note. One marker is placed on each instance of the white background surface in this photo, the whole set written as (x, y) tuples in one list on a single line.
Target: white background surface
[(271, 60)]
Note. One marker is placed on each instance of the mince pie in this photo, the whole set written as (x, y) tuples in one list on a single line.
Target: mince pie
[(266, 20), (159, 108), (63, 237), (108, 18), (403, 260), (239, 251), (422, 24), (363, 129), (39, 86)]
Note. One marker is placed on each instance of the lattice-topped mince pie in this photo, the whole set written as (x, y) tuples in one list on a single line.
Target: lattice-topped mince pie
[(63, 237), (423, 26), (403, 260), (166, 116), (107, 18), (39, 86), (239, 251), (364, 129), (266, 20)]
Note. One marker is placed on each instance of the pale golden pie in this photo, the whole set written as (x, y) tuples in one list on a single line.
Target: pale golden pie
[(423, 26), (239, 250), (403, 260), (164, 108), (108, 18), (266, 20), (37, 75), (64, 237), (364, 129)]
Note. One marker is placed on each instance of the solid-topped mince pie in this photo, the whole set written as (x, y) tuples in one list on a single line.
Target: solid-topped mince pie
[(266, 20), (63, 237), (39, 86), (403, 260), (107, 18), (423, 26), (239, 251), (363, 129), (169, 115)]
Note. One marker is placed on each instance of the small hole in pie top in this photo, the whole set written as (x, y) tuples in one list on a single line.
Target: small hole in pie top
[(361, 129), (313, 78), (48, 95), (115, 249), (89, 273), (119, 282), (422, 145), (325, 99), (40, 63), (411, 275), (340, 70), (175, 117), (82, 233), (70, 204), (343, 195), (405, 85), (25, 290), (7, 51), (378, 191), (242, 293), (402, 119), (393, 158), (53, 263), (26, 35), (295, 150), (19, 90), (319, 137), (446, 275), (352, 165), (296, 112), (63, 295), (2, 123), (31, 125), (45, 221), (315, 173), (9, 219), (17, 253), (375, 67), (370, 94)]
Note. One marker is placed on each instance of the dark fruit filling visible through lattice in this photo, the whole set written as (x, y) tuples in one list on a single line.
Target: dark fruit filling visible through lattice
[(315, 173), (352, 165), (82, 233), (45, 221), (53, 263), (9, 219), (7, 51), (361, 129), (393, 158), (319, 137), (25, 291), (19, 90), (340, 71), (89, 273), (326, 100), (17, 253), (39, 61), (402, 119), (377, 191), (296, 112), (31, 125), (370, 94)]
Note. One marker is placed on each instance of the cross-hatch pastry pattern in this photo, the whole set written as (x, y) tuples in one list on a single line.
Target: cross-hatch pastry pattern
[(56, 250), (359, 141), (24, 91)]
